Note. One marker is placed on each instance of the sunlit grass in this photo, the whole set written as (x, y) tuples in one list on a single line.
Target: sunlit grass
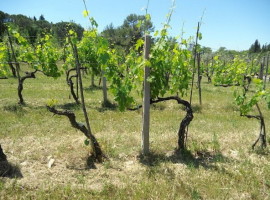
[(219, 162)]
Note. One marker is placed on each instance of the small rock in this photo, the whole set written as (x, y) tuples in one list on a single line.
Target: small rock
[(24, 163), (51, 162)]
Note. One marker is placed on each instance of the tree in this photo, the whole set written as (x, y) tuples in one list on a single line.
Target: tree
[(3, 18), (41, 18), (129, 32), (61, 29), (255, 48)]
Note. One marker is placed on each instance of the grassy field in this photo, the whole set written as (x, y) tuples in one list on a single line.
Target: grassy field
[(219, 163)]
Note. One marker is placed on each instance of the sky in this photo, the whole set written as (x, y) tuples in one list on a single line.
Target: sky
[(233, 24)]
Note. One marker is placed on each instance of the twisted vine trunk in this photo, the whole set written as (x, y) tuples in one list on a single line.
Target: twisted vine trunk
[(3, 157), (262, 135), (184, 123), (97, 153), (20, 85), (80, 126), (71, 84)]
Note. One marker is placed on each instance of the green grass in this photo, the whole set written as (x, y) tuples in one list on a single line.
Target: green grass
[(219, 162)]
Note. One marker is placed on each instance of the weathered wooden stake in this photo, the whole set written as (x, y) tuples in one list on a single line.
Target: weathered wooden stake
[(261, 69), (199, 78), (146, 99), (104, 84), (266, 72), (194, 63), (92, 79)]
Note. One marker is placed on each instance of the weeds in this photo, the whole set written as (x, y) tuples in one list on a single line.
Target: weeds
[(217, 164)]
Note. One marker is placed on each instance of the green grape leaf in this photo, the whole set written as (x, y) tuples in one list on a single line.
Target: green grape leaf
[(52, 102), (85, 13), (139, 24), (139, 43), (147, 17), (86, 142), (200, 36)]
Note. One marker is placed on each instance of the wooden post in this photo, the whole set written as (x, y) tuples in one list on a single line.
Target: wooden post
[(92, 79), (104, 83), (261, 69), (266, 72), (199, 78), (146, 99), (194, 63)]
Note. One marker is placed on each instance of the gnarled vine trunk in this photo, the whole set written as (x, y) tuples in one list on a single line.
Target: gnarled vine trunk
[(262, 135), (184, 123), (97, 153), (20, 85), (3, 157), (71, 84), (72, 118)]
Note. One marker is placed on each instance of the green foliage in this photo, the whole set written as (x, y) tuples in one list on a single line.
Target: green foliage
[(237, 72), (52, 102), (86, 142), (47, 57), (246, 102), (126, 36), (4, 58), (169, 64), (60, 31), (44, 57), (230, 72), (255, 48), (31, 28), (123, 77)]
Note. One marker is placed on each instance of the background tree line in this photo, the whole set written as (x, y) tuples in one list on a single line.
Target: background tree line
[(121, 38), (256, 47), (32, 28)]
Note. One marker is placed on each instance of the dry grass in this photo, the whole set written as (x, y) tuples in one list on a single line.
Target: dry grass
[(219, 164)]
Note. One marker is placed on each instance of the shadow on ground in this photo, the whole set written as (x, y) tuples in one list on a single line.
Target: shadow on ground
[(92, 88), (203, 159), (69, 106), (106, 106), (9, 170)]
